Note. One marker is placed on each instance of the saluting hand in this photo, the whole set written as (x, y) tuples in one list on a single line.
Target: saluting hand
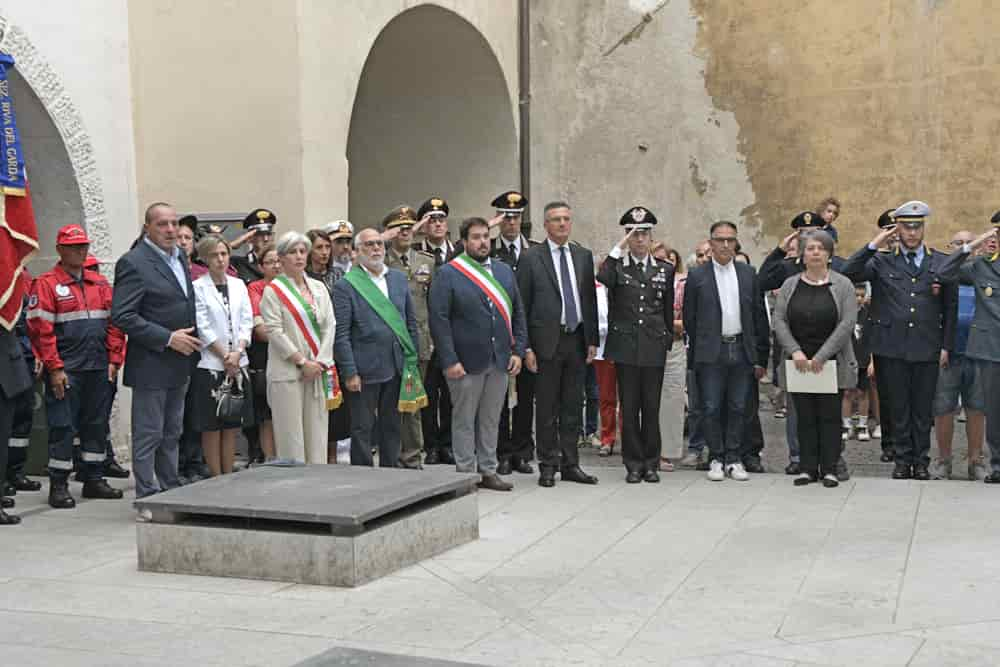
[(983, 238), (787, 241), (624, 242), (495, 220), (884, 236), (420, 223)]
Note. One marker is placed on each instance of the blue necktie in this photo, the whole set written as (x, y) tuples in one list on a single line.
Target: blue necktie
[(569, 303), (911, 259)]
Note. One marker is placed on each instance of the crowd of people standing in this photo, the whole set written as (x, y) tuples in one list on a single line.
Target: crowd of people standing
[(486, 353)]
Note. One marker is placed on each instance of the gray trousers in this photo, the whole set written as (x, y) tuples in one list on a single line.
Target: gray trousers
[(476, 401), (157, 423)]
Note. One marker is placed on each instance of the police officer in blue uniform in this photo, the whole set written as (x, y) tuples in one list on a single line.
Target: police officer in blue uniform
[(640, 333), (913, 326)]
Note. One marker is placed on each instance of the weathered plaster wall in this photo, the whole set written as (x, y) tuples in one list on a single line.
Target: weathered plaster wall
[(757, 110)]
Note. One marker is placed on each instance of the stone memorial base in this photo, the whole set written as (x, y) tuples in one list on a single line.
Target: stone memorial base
[(329, 525)]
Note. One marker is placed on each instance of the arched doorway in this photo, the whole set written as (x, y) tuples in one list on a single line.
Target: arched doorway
[(432, 116), (55, 192)]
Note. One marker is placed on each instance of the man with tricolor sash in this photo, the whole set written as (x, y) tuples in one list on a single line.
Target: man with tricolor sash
[(477, 322), (376, 351)]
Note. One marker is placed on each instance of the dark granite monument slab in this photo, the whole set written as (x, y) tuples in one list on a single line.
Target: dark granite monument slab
[(334, 525)]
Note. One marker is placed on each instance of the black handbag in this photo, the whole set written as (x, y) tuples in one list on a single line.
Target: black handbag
[(231, 400)]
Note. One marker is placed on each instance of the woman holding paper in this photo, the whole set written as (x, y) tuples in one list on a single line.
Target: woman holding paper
[(299, 320), (814, 319)]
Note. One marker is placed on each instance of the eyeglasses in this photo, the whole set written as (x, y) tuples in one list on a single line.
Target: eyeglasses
[(372, 244), (725, 241)]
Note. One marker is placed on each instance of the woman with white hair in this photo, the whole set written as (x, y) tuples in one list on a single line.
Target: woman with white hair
[(300, 324)]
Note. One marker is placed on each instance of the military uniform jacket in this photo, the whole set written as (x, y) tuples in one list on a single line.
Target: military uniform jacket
[(640, 310), (913, 313), (983, 273), (777, 268), (247, 267), (499, 250), (419, 272)]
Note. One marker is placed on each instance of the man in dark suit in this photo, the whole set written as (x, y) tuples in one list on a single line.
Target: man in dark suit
[(515, 439), (556, 279), (369, 355), (640, 333), (477, 322), (153, 304), (724, 319), (913, 317), (983, 273), (14, 380)]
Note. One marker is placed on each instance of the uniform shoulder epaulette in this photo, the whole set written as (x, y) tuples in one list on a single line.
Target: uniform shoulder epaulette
[(532, 242), (429, 255)]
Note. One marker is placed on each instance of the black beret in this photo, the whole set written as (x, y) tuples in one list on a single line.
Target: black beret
[(435, 205), (887, 219), (638, 217), (807, 220), (511, 201), (258, 218)]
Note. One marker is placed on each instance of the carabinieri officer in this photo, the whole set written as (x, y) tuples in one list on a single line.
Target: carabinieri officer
[(640, 332), (913, 314)]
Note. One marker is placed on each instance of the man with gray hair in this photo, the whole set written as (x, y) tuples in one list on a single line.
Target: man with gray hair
[(376, 351)]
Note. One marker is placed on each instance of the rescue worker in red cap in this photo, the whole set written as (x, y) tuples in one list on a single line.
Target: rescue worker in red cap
[(70, 328)]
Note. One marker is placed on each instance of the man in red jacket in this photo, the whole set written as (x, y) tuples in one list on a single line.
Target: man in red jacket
[(70, 328)]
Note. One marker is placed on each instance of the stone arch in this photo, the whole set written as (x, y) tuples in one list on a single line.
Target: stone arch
[(62, 169), (432, 115)]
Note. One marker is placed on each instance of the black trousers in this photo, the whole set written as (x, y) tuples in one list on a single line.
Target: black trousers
[(753, 431), (7, 407), (990, 377), (639, 393), (818, 432), (20, 435), (375, 419), (558, 387), (514, 437), (911, 399), (190, 457), (884, 404), (435, 419)]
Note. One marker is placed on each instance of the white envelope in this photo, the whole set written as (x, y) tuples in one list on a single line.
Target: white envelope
[(824, 382)]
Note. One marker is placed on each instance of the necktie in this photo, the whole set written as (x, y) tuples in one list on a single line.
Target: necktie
[(911, 259), (569, 303), (405, 260), (438, 257)]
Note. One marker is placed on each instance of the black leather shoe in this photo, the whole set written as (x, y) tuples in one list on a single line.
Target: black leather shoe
[(6, 503), (59, 496), (992, 478), (101, 489), (522, 467), (8, 519), (576, 474), (902, 471), (633, 477), (448, 457), (22, 483), (432, 458), (651, 476), (112, 469), (793, 468), (841, 471), (754, 465), (547, 477), (504, 468), (887, 456), (920, 472)]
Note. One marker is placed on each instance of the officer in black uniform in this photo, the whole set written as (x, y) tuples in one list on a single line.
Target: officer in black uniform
[(259, 224), (882, 383), (640, 333), (24, 412), (435, 419), (14, 380), (515, 442), (913, 317)]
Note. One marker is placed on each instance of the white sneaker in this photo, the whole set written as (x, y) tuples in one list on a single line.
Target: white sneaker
[(737, 471), (877, 432), (143, 516), (863, 435), (715, 472), (690, 460)]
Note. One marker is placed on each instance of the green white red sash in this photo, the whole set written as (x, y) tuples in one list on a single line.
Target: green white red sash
[(485, 281), (305, 318)]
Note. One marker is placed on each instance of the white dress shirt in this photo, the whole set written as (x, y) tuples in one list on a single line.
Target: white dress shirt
[(729, 297), (556, 261), (602, 318), (173, 261), (515, 245), (380, 280)]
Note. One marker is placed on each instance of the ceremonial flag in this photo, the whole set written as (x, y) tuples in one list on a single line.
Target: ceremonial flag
[(18, 233)]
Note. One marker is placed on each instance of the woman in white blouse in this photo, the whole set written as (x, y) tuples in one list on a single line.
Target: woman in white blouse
[(225, 323)]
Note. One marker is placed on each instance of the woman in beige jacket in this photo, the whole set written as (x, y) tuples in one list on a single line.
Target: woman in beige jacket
[(300, 324)]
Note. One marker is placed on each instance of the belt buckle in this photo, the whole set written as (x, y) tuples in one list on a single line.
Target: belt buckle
[(729, 340)]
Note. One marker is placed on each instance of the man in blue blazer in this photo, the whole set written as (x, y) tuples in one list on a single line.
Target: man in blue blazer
[(153, 304), (477, 323), (369, 356)]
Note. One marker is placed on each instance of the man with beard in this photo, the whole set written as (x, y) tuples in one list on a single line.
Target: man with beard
[(418, 267), (376, 351), (478, 326), (515, 442), (341, 233)]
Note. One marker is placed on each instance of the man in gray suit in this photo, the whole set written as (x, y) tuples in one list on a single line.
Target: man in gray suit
[(983, 272), (154, 305)]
